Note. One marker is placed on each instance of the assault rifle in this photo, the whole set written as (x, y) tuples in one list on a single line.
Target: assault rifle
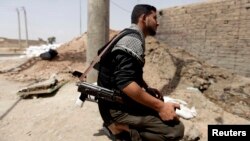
[(92, 92)]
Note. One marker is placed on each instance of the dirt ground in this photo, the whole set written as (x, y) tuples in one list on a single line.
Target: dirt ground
[(213, 91)]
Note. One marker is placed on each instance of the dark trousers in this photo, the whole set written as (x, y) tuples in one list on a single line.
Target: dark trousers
[(150, 127)]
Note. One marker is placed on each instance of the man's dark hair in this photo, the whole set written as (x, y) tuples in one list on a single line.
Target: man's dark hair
[(139, 10)]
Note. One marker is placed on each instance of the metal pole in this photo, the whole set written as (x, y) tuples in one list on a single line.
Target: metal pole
[(19, 27), (98, 31), (26, 27), (80, 17)]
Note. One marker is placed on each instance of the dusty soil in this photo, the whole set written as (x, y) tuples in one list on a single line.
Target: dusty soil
[(219, 97)]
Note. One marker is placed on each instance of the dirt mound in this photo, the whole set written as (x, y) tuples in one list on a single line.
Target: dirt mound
[(169, 68), (71, 56)]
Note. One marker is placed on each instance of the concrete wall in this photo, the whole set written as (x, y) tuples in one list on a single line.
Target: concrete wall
[(217, 32)]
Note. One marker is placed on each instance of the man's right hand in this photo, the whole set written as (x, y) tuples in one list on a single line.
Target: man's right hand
[(154, 92), (167, 112)]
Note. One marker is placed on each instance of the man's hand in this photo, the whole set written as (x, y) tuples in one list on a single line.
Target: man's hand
[(167, 112), (156, 93)]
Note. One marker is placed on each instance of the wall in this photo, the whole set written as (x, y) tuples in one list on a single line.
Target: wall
[(5, 42), (9, 46), (217, 32)]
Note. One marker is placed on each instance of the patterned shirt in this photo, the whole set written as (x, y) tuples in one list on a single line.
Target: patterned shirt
[(124, 66)]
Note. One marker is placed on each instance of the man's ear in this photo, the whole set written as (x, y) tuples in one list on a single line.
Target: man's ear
[(143, 17)]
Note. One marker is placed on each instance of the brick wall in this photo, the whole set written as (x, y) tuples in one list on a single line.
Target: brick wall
[(217, 32)]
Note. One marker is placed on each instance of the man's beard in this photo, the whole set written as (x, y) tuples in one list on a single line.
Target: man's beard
[(151, 31)]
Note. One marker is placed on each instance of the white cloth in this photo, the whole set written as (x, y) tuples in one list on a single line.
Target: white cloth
[(184, 111)]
